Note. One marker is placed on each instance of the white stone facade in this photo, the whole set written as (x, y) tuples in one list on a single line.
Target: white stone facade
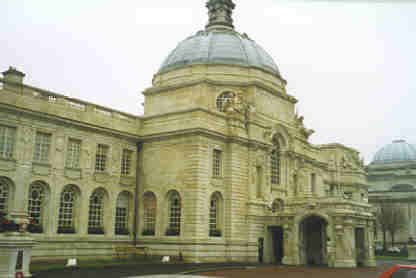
[(212, 180)]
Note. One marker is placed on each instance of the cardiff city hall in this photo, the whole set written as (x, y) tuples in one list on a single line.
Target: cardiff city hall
[(217, 169)]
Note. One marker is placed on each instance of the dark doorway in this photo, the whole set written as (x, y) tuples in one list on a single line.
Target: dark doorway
[(359, 246), (277, 239), (261, 248), (313, 241)]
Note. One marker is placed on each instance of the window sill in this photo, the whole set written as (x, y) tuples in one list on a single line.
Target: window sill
[(7, 164), (217, 181), (101, 177), (73, 173), (127, 180), (42, 169)]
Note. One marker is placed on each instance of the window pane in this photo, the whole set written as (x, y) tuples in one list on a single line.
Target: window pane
[(122, 209), (216, 163), (126, 162), (4, 195), (36, 199), (96, 210), (66, 208), (73, 154), (42, 146), (101, 158), (7, 141)]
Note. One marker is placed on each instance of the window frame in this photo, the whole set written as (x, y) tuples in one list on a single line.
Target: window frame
[(96, 210), (217, 157), (121, 221), (126, 162), (73, 156), (66, 209), (42, 148), (215, 215), (7, 149), (101, 158), (149, 214), (36, 205), (174, 220)]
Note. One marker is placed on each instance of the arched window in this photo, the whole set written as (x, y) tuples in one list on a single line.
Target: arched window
[(66, 220), (215, 215), (174, 221), (149, 201), (37, 192), (96, 213), (4, 196), (223, 99), (275, 165), (122, 214)]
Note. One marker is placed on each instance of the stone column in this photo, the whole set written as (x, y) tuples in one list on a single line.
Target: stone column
[(345, 245), (370, 260), (290, 245)]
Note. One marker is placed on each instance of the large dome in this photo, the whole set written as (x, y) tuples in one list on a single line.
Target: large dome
[(219, 46), (398, 151)]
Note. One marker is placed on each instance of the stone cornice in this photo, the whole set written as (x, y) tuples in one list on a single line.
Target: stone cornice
[(201, 109), (44, 91), (156, 90), (54, 118), (204, 132)]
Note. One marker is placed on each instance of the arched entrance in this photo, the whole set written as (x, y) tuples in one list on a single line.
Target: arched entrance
[(312, 240)]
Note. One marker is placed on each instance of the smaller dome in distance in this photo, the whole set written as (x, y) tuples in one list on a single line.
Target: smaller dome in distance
[(398, 151)]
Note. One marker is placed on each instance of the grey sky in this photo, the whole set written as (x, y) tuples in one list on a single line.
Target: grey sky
[(351, 64)]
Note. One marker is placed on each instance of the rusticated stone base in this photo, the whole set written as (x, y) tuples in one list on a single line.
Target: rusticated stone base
[(411, 248), (345, 263)]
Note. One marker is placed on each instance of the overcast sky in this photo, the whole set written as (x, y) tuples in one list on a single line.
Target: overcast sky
[(352, 64)]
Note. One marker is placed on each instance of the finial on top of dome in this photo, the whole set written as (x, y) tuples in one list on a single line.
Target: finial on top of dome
[(220, 14)]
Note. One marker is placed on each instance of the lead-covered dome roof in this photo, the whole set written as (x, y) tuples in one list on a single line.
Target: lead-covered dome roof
[(219, 44), (223, 47), (398, 151)]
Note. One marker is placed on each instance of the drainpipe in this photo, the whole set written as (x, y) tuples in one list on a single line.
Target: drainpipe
[(136, 191)]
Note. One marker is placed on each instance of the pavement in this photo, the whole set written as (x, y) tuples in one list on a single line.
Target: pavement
[(227, 270)]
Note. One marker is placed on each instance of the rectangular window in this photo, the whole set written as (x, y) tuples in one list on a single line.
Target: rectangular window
[(259, 191), (126, 162), (216, 163), (101, 158), (313, 183), (7, 138), (73, 154), (42, 147)]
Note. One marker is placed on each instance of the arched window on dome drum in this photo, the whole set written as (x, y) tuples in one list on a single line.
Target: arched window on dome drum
[(149, 226), (174, 221), (275, 165), (122, 214), (67, 206), (4, 196), (36, 204), (96, 213), (223, 99), (215, 215)]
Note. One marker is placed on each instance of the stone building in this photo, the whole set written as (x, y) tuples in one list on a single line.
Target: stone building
[(219, 167), (392, 180)]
